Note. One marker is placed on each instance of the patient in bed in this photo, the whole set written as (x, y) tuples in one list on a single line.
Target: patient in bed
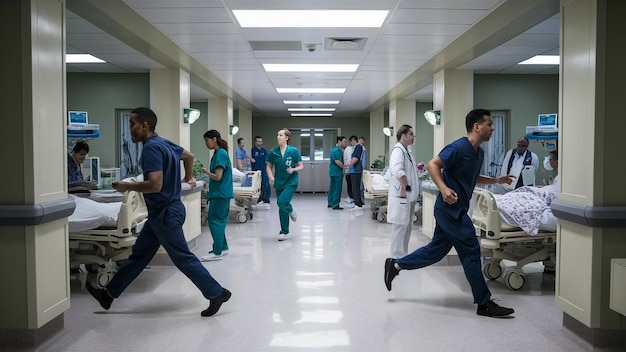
[(528, 207)]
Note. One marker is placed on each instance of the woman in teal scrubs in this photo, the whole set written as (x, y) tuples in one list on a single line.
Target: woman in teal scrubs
[(220, 193), (283, 164)]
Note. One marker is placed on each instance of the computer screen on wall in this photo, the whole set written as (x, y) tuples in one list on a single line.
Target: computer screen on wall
[(78, 117), (547, 120)]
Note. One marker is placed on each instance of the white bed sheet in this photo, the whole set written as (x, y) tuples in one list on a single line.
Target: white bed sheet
[(90, 214), (528, 208)]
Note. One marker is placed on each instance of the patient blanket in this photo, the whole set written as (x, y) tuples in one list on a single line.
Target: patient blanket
[(524, 206)]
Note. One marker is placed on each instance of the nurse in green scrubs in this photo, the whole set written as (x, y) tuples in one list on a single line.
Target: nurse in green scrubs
[(283, 164), (220, 193)]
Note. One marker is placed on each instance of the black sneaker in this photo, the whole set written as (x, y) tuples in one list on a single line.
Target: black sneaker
[(492, 309), (390, 272), (337, 208), (216, 303), (101, 295)]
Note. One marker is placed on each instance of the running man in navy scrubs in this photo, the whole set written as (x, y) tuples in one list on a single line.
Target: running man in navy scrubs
[(160, 162), (455, 171)]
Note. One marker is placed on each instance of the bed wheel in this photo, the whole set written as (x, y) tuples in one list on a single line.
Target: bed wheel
[(492, 270), (242, 217), (381, 217), (514, 280), (375, 215), (103, 278)]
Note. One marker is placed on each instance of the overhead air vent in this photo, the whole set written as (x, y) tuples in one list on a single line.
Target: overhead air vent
[(344, 43), (275, 45)]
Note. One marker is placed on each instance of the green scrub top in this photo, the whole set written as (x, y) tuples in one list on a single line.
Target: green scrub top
[(291, 158), (224, 187), (335, 154)]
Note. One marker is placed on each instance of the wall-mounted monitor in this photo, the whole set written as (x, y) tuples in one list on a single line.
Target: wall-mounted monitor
[(547, 120), (77, 117)]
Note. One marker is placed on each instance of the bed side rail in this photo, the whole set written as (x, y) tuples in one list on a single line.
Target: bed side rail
[(133, 212), (485, 215)]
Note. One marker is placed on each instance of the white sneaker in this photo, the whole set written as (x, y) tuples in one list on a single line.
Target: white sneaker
[(293, 215), (211, 257), (349, 200), (282, 236), (224, 252)]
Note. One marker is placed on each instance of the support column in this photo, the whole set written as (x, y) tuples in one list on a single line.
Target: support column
[(453, 95), (33, 193), (220, 118), (401, 112), (376, 144), (591, 204), (169, 95), (244, 121)]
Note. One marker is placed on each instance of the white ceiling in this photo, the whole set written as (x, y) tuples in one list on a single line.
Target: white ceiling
[(418, 38)]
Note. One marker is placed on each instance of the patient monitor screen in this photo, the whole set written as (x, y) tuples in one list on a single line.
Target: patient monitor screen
[(77, 117)]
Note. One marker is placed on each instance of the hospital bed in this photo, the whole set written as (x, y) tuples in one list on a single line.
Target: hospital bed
[(501, 238), (376, 189), (245, 195), (101, 234)]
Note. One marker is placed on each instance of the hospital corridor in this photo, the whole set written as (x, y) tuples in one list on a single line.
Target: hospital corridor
[(320, 290)]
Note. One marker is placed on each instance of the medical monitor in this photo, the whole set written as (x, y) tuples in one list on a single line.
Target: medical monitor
[(78, 117), (547, 120)]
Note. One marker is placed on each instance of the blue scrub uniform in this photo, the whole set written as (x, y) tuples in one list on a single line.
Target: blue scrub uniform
[(166, 215), (285, 184), (219, 196), (260, 162), (336, 178), (454, 227)]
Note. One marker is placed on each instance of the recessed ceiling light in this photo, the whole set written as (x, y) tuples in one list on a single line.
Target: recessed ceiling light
[(310, 18), (312, 90), (288, 102), (542, 60), (311, 109), (312, 115), (81, 59), (310, 67)]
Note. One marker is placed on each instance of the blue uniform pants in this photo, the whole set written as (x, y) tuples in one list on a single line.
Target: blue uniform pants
[(334, 191), (266, 191), (217, 219), (164, 227), (450, 232), (284, 197), (355, 182)]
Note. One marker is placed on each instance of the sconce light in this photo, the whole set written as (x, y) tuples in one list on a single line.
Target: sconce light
[(433, 117), (388, 131), (233, 129), (190, 115)]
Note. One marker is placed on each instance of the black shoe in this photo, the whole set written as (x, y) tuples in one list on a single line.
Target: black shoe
[(390, 272), (329, 206), (216, 303), (101, 295), (337, 208), (492, 309)]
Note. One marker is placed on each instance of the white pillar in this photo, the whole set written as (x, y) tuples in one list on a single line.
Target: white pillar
[(453, 95), (376, 144), (169, 95), (401, 112), (220, 118)]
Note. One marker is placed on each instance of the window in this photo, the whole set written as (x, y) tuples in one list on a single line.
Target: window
[(314, 143)]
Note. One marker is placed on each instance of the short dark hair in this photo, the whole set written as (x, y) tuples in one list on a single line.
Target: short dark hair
[(239, 140), (146, 115), (80, 145), (555, 153), (404, 129), (354, 138), (475, 116), (340, 138)]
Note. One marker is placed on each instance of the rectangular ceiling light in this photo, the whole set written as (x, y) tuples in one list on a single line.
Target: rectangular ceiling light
[(311, 109), (542, 60), (310, 18), (310, 67), (81, 59), (312, 90), (288, 102), (312, 115)]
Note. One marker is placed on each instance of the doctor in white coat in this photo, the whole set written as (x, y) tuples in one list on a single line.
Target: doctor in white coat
[(521, 163), (403, 191)]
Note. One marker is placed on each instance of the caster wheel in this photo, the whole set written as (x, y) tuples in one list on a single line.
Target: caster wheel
[(492, 270), (103, 278), (242, 217), (380, 217), (514, 280)]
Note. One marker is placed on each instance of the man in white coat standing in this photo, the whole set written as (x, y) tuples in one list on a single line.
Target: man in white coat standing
[(521, 163), (404, 190)]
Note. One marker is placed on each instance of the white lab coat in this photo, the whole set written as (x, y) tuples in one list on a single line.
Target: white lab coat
[(518, 168), (400, 211)]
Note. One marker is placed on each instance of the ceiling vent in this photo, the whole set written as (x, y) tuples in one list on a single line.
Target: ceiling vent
[(275, 45), (344, 43)]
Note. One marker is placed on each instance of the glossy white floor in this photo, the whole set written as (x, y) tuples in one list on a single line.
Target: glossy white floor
[(322, 289)]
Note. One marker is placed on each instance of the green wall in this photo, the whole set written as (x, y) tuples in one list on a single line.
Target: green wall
[(525, 97), (424, 139), (100, 94)]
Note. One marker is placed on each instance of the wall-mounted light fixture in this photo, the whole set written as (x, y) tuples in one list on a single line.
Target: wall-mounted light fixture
[(190, 115), (388, 131), (433, 117), (233, 129)]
